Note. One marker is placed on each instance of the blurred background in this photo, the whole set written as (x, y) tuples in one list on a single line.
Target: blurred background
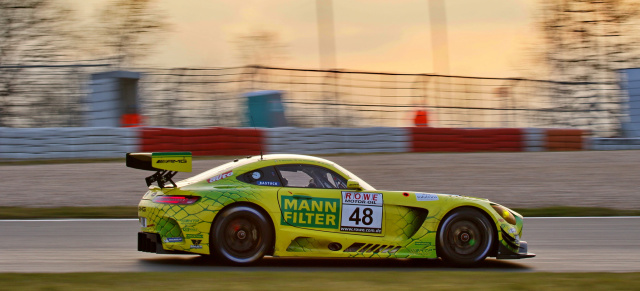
[(457, 63)]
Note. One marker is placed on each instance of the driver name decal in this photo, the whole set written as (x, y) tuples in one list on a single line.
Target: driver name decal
[(314, 212)]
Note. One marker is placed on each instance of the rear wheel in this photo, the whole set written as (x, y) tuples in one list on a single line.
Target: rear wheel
[(465, 237), (241, 235)]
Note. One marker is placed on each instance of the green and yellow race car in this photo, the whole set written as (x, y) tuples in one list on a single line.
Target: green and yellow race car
[(286, 205)]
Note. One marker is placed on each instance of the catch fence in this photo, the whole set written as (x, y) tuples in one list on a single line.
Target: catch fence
[(190, 97), (45, 95)]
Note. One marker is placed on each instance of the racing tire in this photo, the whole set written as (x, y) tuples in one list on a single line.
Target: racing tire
[(241, 236), (465, 238)]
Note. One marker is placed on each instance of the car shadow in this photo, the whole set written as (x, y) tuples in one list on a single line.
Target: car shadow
[(178, 263)]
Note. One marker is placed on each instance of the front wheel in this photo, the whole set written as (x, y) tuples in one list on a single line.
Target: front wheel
[(465, 237), (241, 235)]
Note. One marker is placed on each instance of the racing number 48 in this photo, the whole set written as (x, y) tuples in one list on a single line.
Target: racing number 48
[(366, 219)]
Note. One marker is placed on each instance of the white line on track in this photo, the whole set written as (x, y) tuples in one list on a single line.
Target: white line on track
[(578, 217), (69, 219), (135, 219)]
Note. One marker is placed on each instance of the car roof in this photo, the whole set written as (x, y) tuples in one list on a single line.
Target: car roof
[(272, 159), (252, 161), (292, 157)]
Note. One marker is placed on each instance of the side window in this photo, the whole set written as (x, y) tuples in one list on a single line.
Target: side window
[(266, 176), (309, 176), (336, 180)]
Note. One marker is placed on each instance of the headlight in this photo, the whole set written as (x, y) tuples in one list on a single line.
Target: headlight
[(505, 213)]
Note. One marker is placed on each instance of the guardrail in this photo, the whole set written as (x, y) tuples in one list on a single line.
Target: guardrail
[(67, 142), (212, 141), (428, 139), (109, 142), (612, 144)]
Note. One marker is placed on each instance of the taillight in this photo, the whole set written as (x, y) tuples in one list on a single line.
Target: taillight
[(176, 199)]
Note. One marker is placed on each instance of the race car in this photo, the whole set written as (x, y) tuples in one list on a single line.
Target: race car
[(286, 205)]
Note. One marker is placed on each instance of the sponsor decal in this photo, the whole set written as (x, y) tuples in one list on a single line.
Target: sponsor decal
[(423, 251), (315, 212), (220, 177), (361, 212), (195, 243), (268, 183), (423, 243), (189, 229), (172, 161), (173, 239), (142, 209), (426, 197), (194, 236), (190, 220), (362, 198)]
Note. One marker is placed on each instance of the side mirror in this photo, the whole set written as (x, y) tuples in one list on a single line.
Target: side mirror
[(353, 185)]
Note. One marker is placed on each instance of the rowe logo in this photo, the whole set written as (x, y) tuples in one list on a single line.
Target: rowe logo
[(220, 177)]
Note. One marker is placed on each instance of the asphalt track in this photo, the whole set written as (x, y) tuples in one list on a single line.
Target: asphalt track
[(53, 246)]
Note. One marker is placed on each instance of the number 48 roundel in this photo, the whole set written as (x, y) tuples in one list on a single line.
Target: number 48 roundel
[(361, 212)]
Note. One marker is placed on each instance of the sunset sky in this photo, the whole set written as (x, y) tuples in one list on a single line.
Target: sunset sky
[(490, 38)]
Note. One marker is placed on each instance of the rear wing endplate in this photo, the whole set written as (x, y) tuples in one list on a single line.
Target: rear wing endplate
[(166, 165)]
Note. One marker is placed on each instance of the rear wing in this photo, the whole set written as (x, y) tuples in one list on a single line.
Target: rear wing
[(166, 165)]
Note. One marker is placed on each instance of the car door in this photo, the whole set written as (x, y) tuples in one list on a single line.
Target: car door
[(315, 197)]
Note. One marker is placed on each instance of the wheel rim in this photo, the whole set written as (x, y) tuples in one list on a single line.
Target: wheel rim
[(464, 238), (242, 237)]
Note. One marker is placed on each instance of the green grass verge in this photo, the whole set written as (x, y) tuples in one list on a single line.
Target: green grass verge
[(369, 281), (68, 212), (131, 212), (565, 211)]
